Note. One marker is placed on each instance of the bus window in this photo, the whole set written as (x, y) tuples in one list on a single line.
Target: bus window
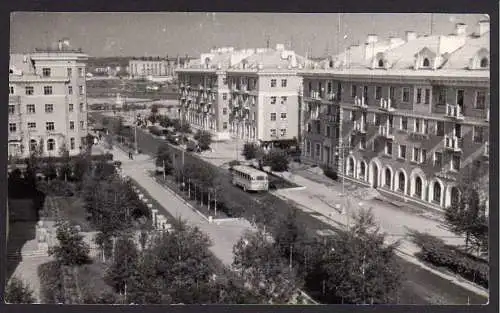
[(261, 178)]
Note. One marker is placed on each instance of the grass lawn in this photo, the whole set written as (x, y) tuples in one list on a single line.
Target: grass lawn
[(72, 209), (90, 279)]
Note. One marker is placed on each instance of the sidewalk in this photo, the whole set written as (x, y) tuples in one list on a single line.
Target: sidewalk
[(224, 236)]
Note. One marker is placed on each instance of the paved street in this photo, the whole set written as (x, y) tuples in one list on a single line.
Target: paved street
[(421, 286)]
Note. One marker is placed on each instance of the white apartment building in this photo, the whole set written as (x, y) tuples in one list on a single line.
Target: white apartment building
[(47, 101)]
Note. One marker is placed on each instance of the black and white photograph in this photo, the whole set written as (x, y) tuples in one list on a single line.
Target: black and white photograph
[(248, 158)]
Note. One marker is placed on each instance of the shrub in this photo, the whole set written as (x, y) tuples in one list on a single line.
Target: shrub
[(330, 173), (277, 160), (234, 163), (50, 283), (436, 252), (250, 151)]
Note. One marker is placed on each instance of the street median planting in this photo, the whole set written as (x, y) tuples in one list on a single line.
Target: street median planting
[(436, 252)]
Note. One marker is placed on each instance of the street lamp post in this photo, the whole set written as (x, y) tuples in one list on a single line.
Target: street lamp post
[(341, 152)]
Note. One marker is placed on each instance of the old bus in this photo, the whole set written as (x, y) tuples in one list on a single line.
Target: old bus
[(249, 178)]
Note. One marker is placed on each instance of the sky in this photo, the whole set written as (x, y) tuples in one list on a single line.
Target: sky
[(172, 34)]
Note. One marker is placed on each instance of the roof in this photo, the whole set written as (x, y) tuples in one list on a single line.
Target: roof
[(248, 170), (273, 59), (21, 64), (403, 57), (461, 58)]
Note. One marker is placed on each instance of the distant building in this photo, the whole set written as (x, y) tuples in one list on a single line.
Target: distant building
[(413, 113), (145, 67), (47, 101), (251, 94)]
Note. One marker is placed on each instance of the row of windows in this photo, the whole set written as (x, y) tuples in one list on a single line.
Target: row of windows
[(47, 90), (47, 72), (273, 116), (274, 83), (49, 108), (422, 95), (273, 132), (51, 144), (48, 126)]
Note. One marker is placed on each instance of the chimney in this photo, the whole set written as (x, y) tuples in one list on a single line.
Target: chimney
[(460, 29), (60, 45), (371, 39), (410, 35), (484, 27)]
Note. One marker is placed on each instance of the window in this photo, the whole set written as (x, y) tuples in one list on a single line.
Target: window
[(460, 98), (80, 90), (283, 100), (33, 145), (71, 125), (273, 84), (49, 126), (31, 125), (419, 95), (273, 100), (283, 116), (81, 107), (224, 96), (71, 107), (30, 108), (51, 145), (72, 143), (12, 109), (47, 90), (426, 63), (406, 94), (362, 143), (329, 87), (402, 151), (328, 131), (480, 99), (439, 128), (224, 125), (458, 130), (376, 119), (392, 92), (378, 92), (46, 72), (438, 159), (69, 72), (12, 127), (478, 134), (415, 155), (317, 152), (380, 63), (224, 111), (308, 147), (339, 91), (484, 63), (352, 115), (273, 132), (29, 90), (436, 195), (401, 182), (390, 118), (442, 96), (427, 96), (283, 132), (49, 108), (308, 127), (455, 163), (283, 83), (424, 156), (11, 90), (388, 148), (353, 91), (388, 178), (418, 187), (273, 116), (82, 125), (80, 72), (70, 90), (404, 123), (352, 140)]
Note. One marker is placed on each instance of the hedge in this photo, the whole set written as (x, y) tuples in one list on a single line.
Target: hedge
[(436, 252), (97, 157), (330, 173)]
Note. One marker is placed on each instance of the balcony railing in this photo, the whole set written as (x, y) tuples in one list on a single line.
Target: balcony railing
[(454, 111), (386, 131), (314, 95), (359, 127), (360, 102), (452, 143), (386, 105)]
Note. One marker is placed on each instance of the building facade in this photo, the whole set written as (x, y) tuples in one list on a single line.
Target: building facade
[(155, 67), (407, 118), (256, 95), (47, 102)]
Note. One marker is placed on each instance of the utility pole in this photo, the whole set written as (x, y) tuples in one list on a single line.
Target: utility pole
[(341, 152)]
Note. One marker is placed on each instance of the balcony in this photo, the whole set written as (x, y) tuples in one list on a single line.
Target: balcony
[(452, 143), (454, 111), (486, 149), (314, 95), (360, 102), (386, 131), (359, 127), (386, 105)]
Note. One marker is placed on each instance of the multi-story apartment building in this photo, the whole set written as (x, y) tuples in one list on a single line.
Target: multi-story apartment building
[(155, 67), (255, 96), (47, 101), (413, 113)]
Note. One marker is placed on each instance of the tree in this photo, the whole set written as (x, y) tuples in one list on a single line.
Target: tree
[(154, 109), (146, 287), (287, 234), (250, 151), (71, 249), (466, 216), (204, 139), (164, 159), (359, 267), (263, 269), (18, 292), (277, 160), (124, 260)]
